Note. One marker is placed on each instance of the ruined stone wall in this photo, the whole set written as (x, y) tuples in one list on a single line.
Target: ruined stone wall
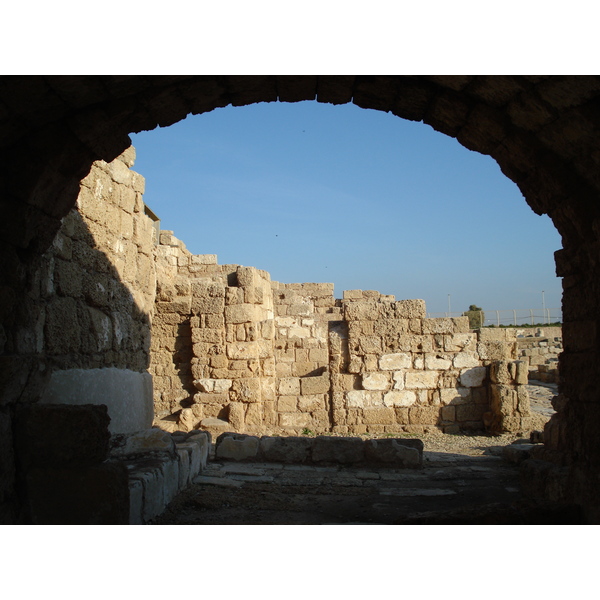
[(234, 351), (540, 352), (91, 296)]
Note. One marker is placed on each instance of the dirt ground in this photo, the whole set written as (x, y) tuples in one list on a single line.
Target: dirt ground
[(464, 480)]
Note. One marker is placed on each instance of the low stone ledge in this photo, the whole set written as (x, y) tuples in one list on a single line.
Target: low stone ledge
[(159, 466), (389, 452)]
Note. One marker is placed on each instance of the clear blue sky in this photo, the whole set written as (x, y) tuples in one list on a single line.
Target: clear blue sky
[(318, 193)]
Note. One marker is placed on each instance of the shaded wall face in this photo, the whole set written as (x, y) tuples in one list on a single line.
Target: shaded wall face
[(90, 299)]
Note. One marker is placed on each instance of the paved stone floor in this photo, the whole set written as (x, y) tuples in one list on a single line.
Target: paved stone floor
[(450, 489)]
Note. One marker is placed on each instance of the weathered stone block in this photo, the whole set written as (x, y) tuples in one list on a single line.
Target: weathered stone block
[(421, 380), (211, 398), (289, 386), (314, 385), (472, 377), (233, 446), (375, 381), (437, 362), (141, 442), (295, 450), (454, 395), (255, 417), (410, 309), (242, 350), (385, 416), (295, 420), (500, 372), (219, 386), (312, 403), (341, 450), (361, 310), (469, 412), (424, 415), (466, 359), (396, 361), (241, 313), (246, 389), (400, 398), (399, 452), (363, 398)]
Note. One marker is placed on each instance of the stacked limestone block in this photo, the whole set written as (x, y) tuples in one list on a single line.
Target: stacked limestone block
[(303, 313), (233, 365), (509, 399), (95, 288), (406, 372)]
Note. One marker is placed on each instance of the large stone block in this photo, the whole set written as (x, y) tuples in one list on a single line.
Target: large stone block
[(446, 325), (127, 395), (241, 313), (363, 398), (341, 450), (396, 361), (466, 359), (374, 416), (295, 450), (376, 381), (361, 310), (410, 309), (397, 452), (232, 446), (314, 385), (400, 398), (421, 380), (246, 389), (472, 377), (242, 350), (141, 442)]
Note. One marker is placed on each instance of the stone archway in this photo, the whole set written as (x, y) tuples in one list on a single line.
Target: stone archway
[(541, 130)]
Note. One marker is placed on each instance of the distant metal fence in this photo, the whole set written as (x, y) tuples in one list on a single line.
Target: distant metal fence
[(515, 317)]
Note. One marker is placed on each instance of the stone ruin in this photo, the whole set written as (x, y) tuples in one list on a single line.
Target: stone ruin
[(86, 342), (128, 317)]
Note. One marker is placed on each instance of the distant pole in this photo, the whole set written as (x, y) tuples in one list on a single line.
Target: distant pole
[(544, 307), (449, 311)]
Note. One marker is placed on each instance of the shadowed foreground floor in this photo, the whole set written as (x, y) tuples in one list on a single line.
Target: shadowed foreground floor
[(450, 489)]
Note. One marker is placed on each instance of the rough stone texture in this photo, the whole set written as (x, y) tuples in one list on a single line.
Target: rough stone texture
[(399, 452), (541, 130), (337, 450), (285, 449), (236, 447)]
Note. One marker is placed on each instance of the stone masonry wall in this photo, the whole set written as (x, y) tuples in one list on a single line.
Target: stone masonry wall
[(96, 284), (231, 350), (234, 351), (91, 297), (540, 352)]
